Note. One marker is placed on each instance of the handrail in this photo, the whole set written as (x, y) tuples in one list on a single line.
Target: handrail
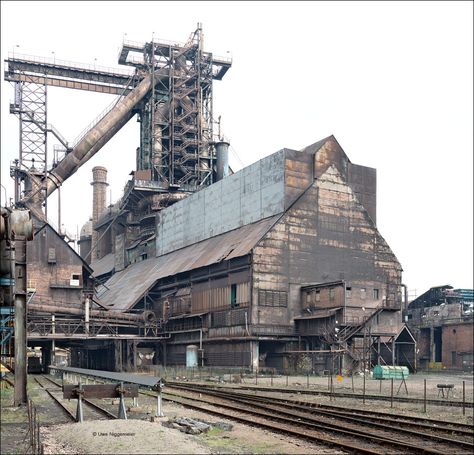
[(73, 65)]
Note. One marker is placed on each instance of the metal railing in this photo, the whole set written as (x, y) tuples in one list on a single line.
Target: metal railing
[(68, 64)]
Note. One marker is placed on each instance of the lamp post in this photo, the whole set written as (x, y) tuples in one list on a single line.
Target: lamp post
[(16, 45), (54, 57)]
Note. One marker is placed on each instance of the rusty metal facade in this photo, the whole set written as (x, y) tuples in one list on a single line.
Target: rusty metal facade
[(125, 288), (238, 286)]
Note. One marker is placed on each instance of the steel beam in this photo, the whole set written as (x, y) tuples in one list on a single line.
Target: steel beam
[(20, 396), (146, 381), (66, 83)]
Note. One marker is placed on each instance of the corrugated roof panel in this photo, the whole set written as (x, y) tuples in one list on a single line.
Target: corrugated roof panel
[(103, 265), (123, 290)]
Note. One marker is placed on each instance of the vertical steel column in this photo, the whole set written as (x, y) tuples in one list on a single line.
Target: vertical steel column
[(20, 396)]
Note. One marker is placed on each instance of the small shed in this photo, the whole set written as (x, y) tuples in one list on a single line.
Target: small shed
[(389, 372)]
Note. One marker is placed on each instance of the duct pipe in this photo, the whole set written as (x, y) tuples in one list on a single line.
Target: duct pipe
[(86, 314), (98, 136), (40, 308), (405, 306), (222, 160), (53, 342)]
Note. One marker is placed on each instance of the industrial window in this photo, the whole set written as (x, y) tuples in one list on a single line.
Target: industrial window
[(362, 293), (332, 293), (318, 295), (272, 298), (308, 298), (348, 292), (376, 294), (233, 296)]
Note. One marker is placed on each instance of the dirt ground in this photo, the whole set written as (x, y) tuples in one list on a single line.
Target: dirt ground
[(138, 435)]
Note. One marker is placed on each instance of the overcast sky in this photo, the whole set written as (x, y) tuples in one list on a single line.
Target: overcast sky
[(392, 81)]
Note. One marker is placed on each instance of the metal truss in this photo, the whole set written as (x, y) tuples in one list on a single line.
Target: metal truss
[(30, 107), (176, 123)]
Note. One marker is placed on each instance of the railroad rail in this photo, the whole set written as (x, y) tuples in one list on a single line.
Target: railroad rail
[(419, 422), (8, 381), (63, 404), (349, 428), (306, 391)]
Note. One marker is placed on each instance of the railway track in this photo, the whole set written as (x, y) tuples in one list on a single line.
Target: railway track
[(8, 381), (92, 411), (331, 427), (420, 423), (352, 430), (399, 399)]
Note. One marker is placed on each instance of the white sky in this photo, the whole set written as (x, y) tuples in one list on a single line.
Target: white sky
[(393, 81)]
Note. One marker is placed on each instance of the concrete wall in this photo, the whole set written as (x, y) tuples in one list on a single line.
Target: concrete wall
[(457, 343), (435, 316)]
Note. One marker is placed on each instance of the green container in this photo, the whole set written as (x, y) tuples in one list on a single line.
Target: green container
[(389, 372)]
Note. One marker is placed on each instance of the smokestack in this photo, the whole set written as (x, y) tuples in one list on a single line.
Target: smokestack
[(99, 195), (222, 160)]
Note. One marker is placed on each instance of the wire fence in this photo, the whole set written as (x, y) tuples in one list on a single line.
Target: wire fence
[(414, 390)]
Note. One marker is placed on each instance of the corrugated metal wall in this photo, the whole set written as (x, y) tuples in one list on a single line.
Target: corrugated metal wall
[(219, 298), (256, 192)]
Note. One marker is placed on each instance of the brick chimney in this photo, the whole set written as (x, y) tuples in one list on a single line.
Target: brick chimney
[(99, 196)]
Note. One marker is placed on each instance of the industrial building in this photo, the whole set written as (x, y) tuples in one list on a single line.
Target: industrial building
[(442, 321), (277, 265)]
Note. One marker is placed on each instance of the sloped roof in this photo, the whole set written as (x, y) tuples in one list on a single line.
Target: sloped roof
[(124, 289), (66, 244), (103, 265)]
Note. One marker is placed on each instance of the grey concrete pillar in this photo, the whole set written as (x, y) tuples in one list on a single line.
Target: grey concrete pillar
[(432, 345)]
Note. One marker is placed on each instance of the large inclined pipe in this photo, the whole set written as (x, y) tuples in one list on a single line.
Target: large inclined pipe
[(99, 135)]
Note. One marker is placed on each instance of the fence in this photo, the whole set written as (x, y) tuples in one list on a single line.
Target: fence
[(33, 436), (415, 391)]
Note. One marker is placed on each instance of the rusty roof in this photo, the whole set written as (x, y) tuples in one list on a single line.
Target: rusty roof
[(103, 265), (124, 289)]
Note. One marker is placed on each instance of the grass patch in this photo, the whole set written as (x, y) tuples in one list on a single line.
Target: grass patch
[(214, 432)]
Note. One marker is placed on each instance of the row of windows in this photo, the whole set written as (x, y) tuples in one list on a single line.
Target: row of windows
[(315, 295), (363, 293)]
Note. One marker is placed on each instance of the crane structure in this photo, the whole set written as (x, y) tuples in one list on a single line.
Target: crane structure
[(168, 85)]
